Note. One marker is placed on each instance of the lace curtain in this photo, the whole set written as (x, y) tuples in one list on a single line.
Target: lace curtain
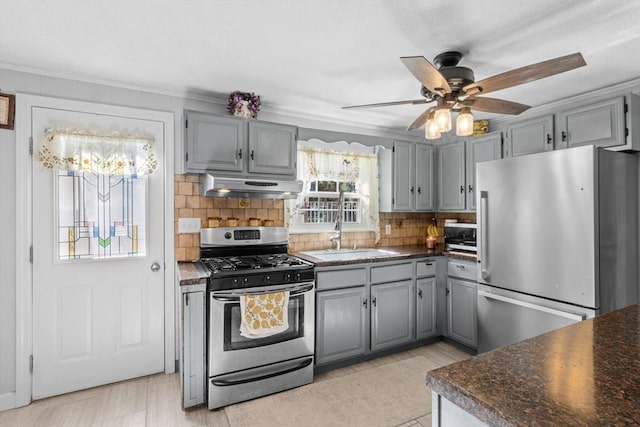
[(320, 164), (113, 153)]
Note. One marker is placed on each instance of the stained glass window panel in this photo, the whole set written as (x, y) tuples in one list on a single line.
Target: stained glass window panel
[(100, 216)]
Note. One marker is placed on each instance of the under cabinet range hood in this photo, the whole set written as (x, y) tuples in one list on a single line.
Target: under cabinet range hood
[(248, 188)]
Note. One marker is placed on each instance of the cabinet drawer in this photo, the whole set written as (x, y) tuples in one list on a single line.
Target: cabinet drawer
[(426, 267), (334, 279), (462, 270), (391, 273)]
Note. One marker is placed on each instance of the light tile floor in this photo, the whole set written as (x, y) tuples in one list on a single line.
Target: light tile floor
[(154, 401)]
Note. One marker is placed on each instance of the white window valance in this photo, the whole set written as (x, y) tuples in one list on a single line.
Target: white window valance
[(114, 153)]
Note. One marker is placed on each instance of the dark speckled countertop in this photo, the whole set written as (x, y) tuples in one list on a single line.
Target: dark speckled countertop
[(191, 273), (403, 252), (585, 374)]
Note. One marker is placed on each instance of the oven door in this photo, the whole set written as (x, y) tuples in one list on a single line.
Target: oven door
[(229, 351)]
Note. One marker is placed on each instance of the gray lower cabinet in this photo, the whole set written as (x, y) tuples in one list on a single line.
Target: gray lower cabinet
[(462, 303), (193, 345), (341, 324), (392, 314), (426, 308)]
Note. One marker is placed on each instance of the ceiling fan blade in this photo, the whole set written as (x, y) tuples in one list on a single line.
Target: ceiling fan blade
[(526, 74), (387, 104), (426, 73), (493, 105), (421, 120)]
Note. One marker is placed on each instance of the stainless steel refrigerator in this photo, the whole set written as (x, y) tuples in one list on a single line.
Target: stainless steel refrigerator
[(557, 241)]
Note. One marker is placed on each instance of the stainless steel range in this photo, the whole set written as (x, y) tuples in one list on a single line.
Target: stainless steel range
[(261, 314)]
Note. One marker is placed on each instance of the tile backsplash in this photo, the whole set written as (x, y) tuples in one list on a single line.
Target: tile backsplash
[(407, 228)]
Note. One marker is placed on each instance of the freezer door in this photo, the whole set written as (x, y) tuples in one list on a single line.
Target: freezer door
[(506, 317), (537, 225)]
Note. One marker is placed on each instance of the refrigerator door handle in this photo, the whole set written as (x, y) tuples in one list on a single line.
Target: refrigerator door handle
[(572, 316), (483, 255)]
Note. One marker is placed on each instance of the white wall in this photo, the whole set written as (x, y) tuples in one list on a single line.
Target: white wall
[(12, 81)]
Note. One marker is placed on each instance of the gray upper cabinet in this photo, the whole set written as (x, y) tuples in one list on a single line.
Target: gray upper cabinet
[(233, 146), (480, 149), (406, 177), (272, 148), (600, 123), (214, 143), (529, 136), (424, 177), (451, 183), (403, 176), (392, 314)]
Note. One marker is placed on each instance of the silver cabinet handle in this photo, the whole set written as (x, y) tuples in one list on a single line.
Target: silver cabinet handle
[(572, 316), (155, 267), (483, 250)]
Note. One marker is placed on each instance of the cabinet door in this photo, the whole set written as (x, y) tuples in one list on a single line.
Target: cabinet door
[(424, 177), (193, 373), (451, 168), (480, 149), (530, 136), (426, 308), (601, 124), (341, 320), (403, 176), (392, 314), (272, 148), (214, 143), (462, 306)]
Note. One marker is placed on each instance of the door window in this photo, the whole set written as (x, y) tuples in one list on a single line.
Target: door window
[(100, 216)]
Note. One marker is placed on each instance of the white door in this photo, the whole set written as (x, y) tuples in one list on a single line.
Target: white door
[(97, 318)]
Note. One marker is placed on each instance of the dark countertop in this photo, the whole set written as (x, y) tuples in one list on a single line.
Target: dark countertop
[(192, 272), (403, 252), (585, 374)]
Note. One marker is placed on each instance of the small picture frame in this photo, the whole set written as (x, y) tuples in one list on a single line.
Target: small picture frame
[(7, 110)]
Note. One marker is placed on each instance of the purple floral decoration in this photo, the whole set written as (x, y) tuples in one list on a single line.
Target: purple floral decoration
[(244, 104)]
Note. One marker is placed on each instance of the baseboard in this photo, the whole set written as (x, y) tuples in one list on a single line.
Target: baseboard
[(7, 401)]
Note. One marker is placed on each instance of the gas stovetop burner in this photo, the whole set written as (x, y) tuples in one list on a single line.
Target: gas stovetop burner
[(251, 262)]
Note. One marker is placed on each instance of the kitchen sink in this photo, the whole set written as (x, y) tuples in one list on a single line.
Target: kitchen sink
[(348, 254)]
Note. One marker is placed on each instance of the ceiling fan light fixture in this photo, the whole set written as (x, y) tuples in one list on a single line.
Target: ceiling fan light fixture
[(431, 128), (443, 116), (464, 122)]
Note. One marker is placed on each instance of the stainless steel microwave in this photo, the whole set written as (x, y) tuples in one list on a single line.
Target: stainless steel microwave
[(460, 236)]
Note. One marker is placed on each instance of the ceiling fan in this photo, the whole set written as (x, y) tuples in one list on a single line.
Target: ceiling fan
[(454, 88)]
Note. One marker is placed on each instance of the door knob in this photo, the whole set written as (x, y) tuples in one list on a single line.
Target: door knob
[(155, 267)]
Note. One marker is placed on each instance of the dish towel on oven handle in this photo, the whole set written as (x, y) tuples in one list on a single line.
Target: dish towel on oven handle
[(264, 315)]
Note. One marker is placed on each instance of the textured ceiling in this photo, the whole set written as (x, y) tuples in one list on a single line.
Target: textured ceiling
[(311, 57)]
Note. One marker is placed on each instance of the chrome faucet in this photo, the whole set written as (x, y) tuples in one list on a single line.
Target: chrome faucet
[(337, 236)]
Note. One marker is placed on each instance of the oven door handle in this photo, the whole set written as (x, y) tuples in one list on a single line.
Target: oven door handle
[(221, 382), (235, 295)]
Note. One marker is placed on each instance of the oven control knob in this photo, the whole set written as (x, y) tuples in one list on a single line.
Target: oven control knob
[(287, 277), (298, 277), (267, 279), (245, 280), (227, 235), (234, 282)]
